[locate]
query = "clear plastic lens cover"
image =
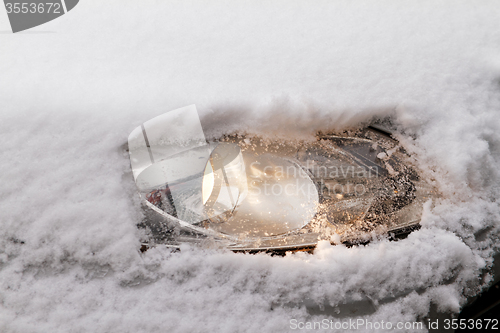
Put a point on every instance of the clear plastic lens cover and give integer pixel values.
(252, 193)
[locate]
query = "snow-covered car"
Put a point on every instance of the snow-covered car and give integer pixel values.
(250, 193)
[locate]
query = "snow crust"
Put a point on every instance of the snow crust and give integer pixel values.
(72, 90)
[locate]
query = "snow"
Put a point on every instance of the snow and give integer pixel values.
(73, 89)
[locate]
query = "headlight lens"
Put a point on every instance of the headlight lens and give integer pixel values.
(249, 193)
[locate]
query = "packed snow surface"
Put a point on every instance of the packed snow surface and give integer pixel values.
(73, 89)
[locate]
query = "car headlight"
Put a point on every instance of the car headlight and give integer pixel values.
(254, 194)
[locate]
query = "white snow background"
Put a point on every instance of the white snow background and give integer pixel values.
(73, 89)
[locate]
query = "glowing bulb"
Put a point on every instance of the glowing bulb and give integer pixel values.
(208, 183)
